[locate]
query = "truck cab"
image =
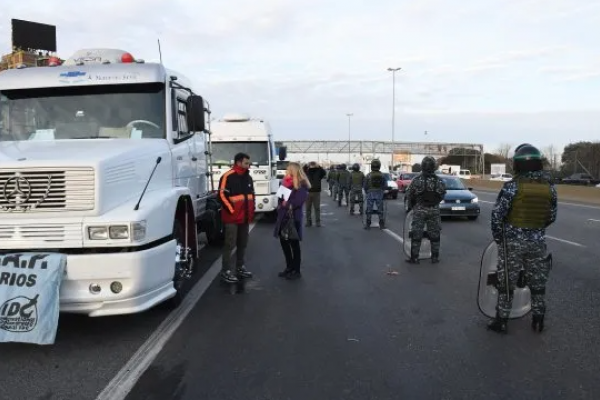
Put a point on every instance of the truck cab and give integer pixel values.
(105, 159)
(236, 133)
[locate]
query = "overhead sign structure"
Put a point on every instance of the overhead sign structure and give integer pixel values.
(28, 35)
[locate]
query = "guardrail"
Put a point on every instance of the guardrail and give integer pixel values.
(574, 193)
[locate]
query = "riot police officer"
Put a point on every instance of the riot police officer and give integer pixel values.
(357, 181)
(375, 184)
(343, 179)
(525, 207)
(424, 195)
(332, 180)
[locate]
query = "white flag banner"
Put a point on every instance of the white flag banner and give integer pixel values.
(29, 296)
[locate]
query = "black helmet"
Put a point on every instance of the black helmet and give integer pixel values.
(527, 158)
(521, 146)
(355, 167)
(428, 165)
(375, 165)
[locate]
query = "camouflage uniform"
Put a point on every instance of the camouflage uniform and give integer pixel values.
(424, 195)
(343, 184)
(525, 207)
(332, 180)
(357, 181)
(375, 184)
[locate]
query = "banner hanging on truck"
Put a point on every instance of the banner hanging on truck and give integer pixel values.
(29, 296)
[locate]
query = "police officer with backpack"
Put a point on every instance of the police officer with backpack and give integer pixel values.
(375, 184)
(357, 181)
(525, 207)
(424, 195)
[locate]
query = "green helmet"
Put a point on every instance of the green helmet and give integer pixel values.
(428, 165)
(375, 165)
(527, 158)
(355, 167)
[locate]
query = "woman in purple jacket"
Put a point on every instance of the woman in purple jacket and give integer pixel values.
(298, 183)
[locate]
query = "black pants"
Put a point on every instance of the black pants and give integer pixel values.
(291, 251)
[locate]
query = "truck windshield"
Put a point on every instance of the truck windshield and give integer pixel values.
(223, 152)
(133, 111)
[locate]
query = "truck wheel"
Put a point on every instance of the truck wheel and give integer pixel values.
(184, 266)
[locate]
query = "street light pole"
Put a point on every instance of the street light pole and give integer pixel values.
(393, 71)
(349, 115)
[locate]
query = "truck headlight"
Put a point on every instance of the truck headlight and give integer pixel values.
(118, 232)
(97, 232)
(122, 231)
(139, 230)
(475, 200)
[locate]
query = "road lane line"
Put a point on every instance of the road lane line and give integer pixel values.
(594, 220)
(120, 386)
(564, 241)
(488, 202)
(394, 235)
(564, 203)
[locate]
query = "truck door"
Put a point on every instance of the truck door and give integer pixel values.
(200, 160)
(184, 159)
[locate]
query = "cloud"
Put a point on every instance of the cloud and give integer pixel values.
(311, 62)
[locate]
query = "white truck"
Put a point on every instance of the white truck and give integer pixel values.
(497, 169)
(449, 169)
(105, 159)
(236, 133)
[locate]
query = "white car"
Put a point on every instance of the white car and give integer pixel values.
(501, 177)
(391, 190)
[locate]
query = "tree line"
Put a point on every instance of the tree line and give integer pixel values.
(578, 157)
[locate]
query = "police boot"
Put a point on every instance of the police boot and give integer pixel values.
(498, 324)
(382, 224)
(414, 252)
(435, 257)
(368, 224)
(537, 323)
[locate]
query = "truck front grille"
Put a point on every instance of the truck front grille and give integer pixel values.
(24, 236)
(46, 189)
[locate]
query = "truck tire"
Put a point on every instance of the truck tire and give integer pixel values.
(178, 279)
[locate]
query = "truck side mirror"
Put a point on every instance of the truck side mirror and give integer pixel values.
(196, 120)
(282, 153)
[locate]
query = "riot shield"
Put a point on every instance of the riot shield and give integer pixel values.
(487, 294)
(425, 251)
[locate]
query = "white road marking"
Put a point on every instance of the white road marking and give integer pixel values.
(488, 202)
(120, 386)
(564, 241)
(560, 202)
(394, 235)
(594, 220)
(579, 205)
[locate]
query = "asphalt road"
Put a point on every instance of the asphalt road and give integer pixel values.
(347, 330)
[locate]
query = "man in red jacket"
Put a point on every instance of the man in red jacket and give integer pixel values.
(236, 192)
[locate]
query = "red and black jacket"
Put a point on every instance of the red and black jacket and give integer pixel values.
(236, 192)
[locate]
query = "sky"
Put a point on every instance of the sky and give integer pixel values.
(492, 72)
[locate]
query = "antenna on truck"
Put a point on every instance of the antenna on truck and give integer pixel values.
(137, 206)
(159, 51)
